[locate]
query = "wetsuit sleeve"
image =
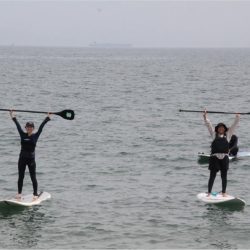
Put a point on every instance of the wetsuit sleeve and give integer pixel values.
(233, 127)
(20, 131)
(41, 127)
(209, 127)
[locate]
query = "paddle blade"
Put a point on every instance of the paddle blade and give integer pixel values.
(67, 114)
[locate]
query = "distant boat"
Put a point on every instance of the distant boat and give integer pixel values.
(110, 45)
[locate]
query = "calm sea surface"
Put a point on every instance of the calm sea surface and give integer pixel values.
(124, 172)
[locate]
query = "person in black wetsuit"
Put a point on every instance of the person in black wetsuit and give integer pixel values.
(233, 146)
(27, 154)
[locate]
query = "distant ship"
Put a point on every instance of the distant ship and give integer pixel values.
(110, 45)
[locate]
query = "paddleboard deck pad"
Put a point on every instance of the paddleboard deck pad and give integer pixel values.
(217, 198)
(27, 200)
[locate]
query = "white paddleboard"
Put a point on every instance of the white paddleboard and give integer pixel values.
(217, 198)
(242, 154)
(27, 200)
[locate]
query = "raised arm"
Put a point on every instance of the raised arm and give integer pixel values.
(232, 128)
(39, 131)
(13, 117)
(208, 124)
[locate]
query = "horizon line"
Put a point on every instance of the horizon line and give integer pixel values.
(125, 48)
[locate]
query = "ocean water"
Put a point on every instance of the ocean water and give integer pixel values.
(124, 172)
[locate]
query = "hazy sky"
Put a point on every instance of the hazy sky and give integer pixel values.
(141, 23)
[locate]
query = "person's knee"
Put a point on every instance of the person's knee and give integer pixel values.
(223, 175)
(21, 175)
(32, 168)
(33, 176)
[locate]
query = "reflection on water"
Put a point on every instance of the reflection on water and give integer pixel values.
(221, 214)
(220, 224)
(7, 211)
(24, 226)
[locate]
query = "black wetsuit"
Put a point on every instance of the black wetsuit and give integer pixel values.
(27, 155)
(233, 145)
(219, 145)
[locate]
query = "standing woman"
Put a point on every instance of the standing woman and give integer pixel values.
(219, 160)
(27, 154)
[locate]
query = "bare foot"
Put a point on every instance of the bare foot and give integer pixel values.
(224, 194)
(18, 197)
(208, 194)
(35, 197)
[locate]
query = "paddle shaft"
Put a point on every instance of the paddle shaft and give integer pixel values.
(27, 111)
(67, 114)
(212, 112)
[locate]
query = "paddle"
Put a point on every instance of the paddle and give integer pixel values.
(67, 114)
(214, 112)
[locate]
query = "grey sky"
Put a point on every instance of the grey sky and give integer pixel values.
(141, 23)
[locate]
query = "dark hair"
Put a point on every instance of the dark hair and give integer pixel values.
(220, 125)
(30, 124)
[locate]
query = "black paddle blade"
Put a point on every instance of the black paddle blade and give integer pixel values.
(67, 114)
